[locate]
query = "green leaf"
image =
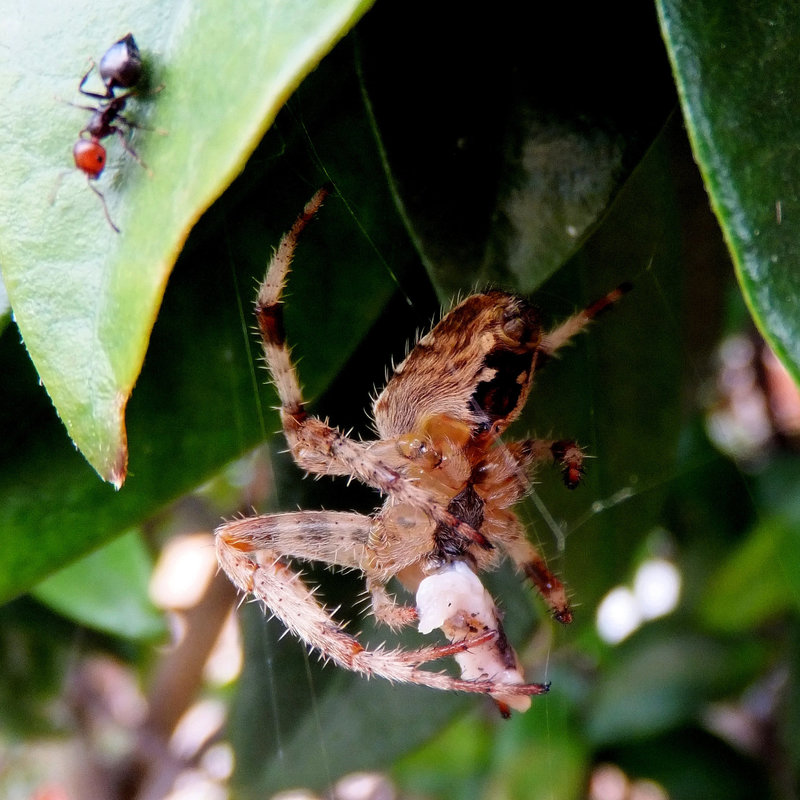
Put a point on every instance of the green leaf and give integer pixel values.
(483, 756)
(515, 161)
(107, 590)
(661, 677)
(201, 400)
(736, 69)
(518, 768)
(738, 597)
(84, 298)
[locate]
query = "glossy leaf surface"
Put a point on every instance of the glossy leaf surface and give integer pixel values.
(735, 65)
(84, 297)
(107, 590)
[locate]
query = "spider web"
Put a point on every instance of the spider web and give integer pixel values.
(624, 391)
(583, 532)
(654, 487)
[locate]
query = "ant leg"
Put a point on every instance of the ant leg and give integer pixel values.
(103, 201)
(123, 96)
(82, 108)
(126, 144)
(109, 94)
(131, 125)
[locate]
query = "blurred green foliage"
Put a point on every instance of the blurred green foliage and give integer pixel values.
(466, 149)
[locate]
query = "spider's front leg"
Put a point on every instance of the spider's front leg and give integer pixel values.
(251, 551)
(565, 453)
(315, 445)
(555, 339)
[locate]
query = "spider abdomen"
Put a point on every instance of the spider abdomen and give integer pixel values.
(475, 366)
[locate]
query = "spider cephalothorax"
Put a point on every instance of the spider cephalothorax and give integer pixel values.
(449, 485)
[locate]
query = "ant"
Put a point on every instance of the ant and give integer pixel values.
(120, 67)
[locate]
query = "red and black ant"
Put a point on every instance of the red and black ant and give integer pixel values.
(120, 67)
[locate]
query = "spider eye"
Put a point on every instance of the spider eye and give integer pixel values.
(514, 328)
(520, 325)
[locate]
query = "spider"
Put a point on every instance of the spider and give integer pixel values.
(448, 482)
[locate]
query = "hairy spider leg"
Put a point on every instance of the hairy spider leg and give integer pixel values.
(505, 528)
(317, 446)
(438, 467)
(577, 323)
(250, 551)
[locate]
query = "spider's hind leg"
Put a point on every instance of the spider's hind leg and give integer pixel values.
(247, 549)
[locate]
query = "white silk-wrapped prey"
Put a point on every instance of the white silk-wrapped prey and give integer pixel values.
(455, 600)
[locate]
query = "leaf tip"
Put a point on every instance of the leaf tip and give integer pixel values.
(118, 474)
(116, 468)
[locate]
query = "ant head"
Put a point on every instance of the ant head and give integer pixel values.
(90, 157)
(121, 64)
